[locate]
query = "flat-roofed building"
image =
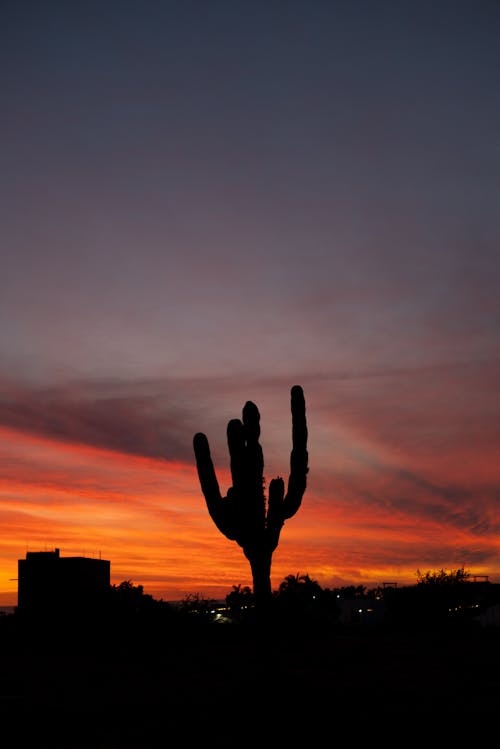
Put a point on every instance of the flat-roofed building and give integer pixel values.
(48, 582)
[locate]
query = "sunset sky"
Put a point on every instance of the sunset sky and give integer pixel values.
(208, 202)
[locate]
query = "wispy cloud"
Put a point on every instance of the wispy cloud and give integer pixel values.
(142, 418)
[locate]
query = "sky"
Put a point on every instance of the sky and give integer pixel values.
(207, 202)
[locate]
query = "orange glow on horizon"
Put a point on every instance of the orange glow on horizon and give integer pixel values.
(149, 518)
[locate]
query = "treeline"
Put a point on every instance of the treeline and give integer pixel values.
(438, 600)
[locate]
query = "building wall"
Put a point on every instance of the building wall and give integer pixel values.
(47, 581)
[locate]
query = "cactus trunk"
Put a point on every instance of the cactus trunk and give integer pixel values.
(260, 564)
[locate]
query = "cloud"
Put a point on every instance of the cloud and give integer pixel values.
(146, 417)
(142, 418)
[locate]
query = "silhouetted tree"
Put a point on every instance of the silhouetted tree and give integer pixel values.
(351, 591)
(128, 596)
(130, 608)
(240, 602)
(196, 611)
(244, 515)
(299, 586)
(440, 599)
(441, 577)
(297, 594)
(301, 601)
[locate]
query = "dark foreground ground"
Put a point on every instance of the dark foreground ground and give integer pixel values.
(230, 687)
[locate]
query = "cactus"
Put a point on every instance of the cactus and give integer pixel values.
(244, 515)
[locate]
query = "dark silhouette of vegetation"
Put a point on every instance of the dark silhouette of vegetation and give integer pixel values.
(443, 578)
(240, 602)
(301, 601)
(353, 591)
(245, 515)
(130, 598)
(128, 620)
(129, 602)
(197, 611)
(196, 603)
(440, 600)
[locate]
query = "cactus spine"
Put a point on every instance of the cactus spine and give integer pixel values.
(244, 515)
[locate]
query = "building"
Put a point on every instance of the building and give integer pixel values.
(48, 582)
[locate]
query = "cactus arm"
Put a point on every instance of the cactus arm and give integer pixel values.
(255, 460)
(275, 517)
(299, 457)
(206, 471)
(254, 496)
(236, 445)
(218, 508)
(247, 469)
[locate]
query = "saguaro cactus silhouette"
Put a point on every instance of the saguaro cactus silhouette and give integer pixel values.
(245, 515)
